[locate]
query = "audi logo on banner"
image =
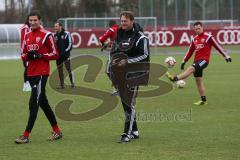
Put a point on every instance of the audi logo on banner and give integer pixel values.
(228, 36)
(160, 38)
(32, 47)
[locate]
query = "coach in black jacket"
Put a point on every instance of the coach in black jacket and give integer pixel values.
(131, 47)
(64, 43)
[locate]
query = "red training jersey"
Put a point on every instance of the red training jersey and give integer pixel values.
(110, 33)
(42, 42)
(24, 30)
(202, 45)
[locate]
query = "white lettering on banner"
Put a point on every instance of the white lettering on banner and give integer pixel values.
(78, 39)
(228, 36)
(192, 37)
(185, 38)
(93, 40)
(160, 38)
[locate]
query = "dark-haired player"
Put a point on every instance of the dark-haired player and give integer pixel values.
(38, 49)
(201, 45)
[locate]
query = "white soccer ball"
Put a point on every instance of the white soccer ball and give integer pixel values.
(181, 84)
(170, 61)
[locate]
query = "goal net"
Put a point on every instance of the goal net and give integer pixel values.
(148, 23)
(100, 24)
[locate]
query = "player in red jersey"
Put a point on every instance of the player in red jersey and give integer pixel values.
(110, 33)
(38, 49)
(106, 41)
(201, 44)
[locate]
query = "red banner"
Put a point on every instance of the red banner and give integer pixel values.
(89, 38)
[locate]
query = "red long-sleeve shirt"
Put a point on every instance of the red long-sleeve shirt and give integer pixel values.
(42, 42)
(110, 33)
(202, 45)
(24, 30)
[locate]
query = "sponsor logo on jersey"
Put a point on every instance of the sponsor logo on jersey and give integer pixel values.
(32, 47)
(199, 46)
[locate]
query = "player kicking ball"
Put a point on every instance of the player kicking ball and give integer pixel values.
(201, 44)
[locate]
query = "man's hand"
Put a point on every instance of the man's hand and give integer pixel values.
(122, 63)
(182, 65)
(228, 59)
(33, 55)
(104, 47)
(120, 59)
(118, 67)
(115, 61)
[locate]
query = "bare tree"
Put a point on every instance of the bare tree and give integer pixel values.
(96, 8)
(22, 7)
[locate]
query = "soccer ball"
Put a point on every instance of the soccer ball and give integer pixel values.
(181, 84)
(170, 61)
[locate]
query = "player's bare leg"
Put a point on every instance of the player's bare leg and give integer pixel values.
(200, 85)
(201, 90)
(189, 71)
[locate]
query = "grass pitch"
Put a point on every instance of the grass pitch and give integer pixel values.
(171, 127)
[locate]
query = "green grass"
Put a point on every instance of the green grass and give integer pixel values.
(205, 133)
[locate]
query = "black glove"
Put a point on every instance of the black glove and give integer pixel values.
(228, 59)
(32, 55)
(104, 46)
(182, 65)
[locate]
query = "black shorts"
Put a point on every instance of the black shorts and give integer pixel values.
(199, 66)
